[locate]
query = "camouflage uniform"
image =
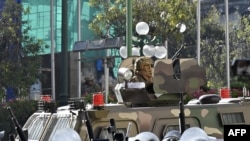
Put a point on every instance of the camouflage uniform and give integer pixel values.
(93, 88)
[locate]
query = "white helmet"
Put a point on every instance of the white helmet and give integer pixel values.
(194, 134)
(145, 136)
(2, 134)
(66, 134)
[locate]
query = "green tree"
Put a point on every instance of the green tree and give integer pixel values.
(213, 45)
(161, 15)
(213, 51)
(240, 43)
(240, 35)
(19, 60)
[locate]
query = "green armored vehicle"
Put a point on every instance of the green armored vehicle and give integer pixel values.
(150, 104)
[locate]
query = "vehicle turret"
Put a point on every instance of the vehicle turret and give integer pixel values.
(168, 78)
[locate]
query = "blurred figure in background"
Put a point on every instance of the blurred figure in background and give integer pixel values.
(90, 87)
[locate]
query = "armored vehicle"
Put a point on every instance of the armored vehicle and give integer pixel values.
(146, 105)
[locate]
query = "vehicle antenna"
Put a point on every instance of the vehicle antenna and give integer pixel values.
(181, 114)
(177, 53)
(87, 121)
(128, 131)
(18, 128)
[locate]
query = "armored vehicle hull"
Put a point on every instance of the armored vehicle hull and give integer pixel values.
(211, 118)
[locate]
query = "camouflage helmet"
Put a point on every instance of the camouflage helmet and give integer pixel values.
(141, 62)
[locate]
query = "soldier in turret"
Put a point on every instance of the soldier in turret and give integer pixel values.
(143, 73)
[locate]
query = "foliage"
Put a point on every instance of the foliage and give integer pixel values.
(202, 91)
(239, 49)
(213, 48)
(241, 38)
(21, 109)
(239, 84)
(237, 87)
(236, 90)
(162, 17)
(213, 45)
(19, 60)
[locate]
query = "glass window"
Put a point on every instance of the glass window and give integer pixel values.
(232, 118)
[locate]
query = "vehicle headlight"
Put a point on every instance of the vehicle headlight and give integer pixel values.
(125, 73)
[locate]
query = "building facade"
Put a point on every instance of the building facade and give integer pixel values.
(45, 17)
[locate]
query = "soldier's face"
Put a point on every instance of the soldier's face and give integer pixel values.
(147, 69)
